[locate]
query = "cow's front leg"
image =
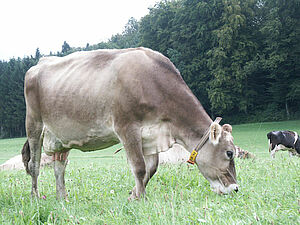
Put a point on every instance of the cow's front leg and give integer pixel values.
(273, 153)
(60, 163)
(138, 167)
(131, 138)
(151, 167)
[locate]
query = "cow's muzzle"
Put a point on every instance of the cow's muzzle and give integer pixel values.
(219, 188)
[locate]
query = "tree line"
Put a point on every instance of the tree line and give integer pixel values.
(240, 58)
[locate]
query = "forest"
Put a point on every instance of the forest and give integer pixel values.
(240, 58)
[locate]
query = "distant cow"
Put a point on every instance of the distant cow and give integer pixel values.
(243, 154)
(93, 100)
(284, 140)
(15, 163)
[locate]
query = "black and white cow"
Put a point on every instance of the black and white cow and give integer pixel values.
(284, 140)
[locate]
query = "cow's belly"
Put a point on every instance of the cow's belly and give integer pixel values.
(82, 139)
(92, 143)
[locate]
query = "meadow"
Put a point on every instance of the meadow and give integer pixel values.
(98, 184)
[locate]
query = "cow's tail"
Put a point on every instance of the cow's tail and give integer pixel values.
(26, 155)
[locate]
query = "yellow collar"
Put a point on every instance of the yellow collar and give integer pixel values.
(194, 153)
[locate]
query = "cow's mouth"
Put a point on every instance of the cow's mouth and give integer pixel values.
(219, 188)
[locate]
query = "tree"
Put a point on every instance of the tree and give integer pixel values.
(156, 28)
(37, 54)
(281, 31)
(233, 48)
(129, 37)
(65, 49)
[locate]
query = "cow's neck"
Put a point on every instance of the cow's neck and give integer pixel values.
(191, 127)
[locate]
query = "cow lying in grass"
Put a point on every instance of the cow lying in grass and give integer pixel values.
(15, 163)
(243, 154)
(285, 141)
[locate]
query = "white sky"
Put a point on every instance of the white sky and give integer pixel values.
(29, 24)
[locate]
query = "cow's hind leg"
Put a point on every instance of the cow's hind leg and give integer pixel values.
(34, 131)
(34, 164)
(60, 163)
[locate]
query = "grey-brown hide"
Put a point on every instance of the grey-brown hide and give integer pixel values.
(93, 100)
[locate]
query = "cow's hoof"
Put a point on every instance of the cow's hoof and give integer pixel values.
(62, 196)
(35, 194)
(132, 197)
(133, 191)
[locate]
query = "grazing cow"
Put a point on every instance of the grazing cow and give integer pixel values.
(284, 140)
(93, 100)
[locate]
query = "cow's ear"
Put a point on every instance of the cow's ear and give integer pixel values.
(215, 133)
(227, 127)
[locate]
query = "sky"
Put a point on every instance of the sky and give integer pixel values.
(45, 24)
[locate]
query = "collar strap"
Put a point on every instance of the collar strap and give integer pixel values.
(194, 153)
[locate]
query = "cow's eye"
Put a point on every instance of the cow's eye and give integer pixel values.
(229, 154)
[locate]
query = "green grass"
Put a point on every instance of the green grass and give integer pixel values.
(98, 184)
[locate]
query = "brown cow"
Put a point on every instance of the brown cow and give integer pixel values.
(93, 100)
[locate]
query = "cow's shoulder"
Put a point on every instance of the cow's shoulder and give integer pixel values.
(160, 59)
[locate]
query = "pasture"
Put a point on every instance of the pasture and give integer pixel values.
(98, 184)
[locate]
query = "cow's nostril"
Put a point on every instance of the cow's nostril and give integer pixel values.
(236, 189)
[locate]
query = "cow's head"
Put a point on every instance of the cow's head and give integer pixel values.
(215, 160)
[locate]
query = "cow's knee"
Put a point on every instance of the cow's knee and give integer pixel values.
(139, 170)
(140, 173)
